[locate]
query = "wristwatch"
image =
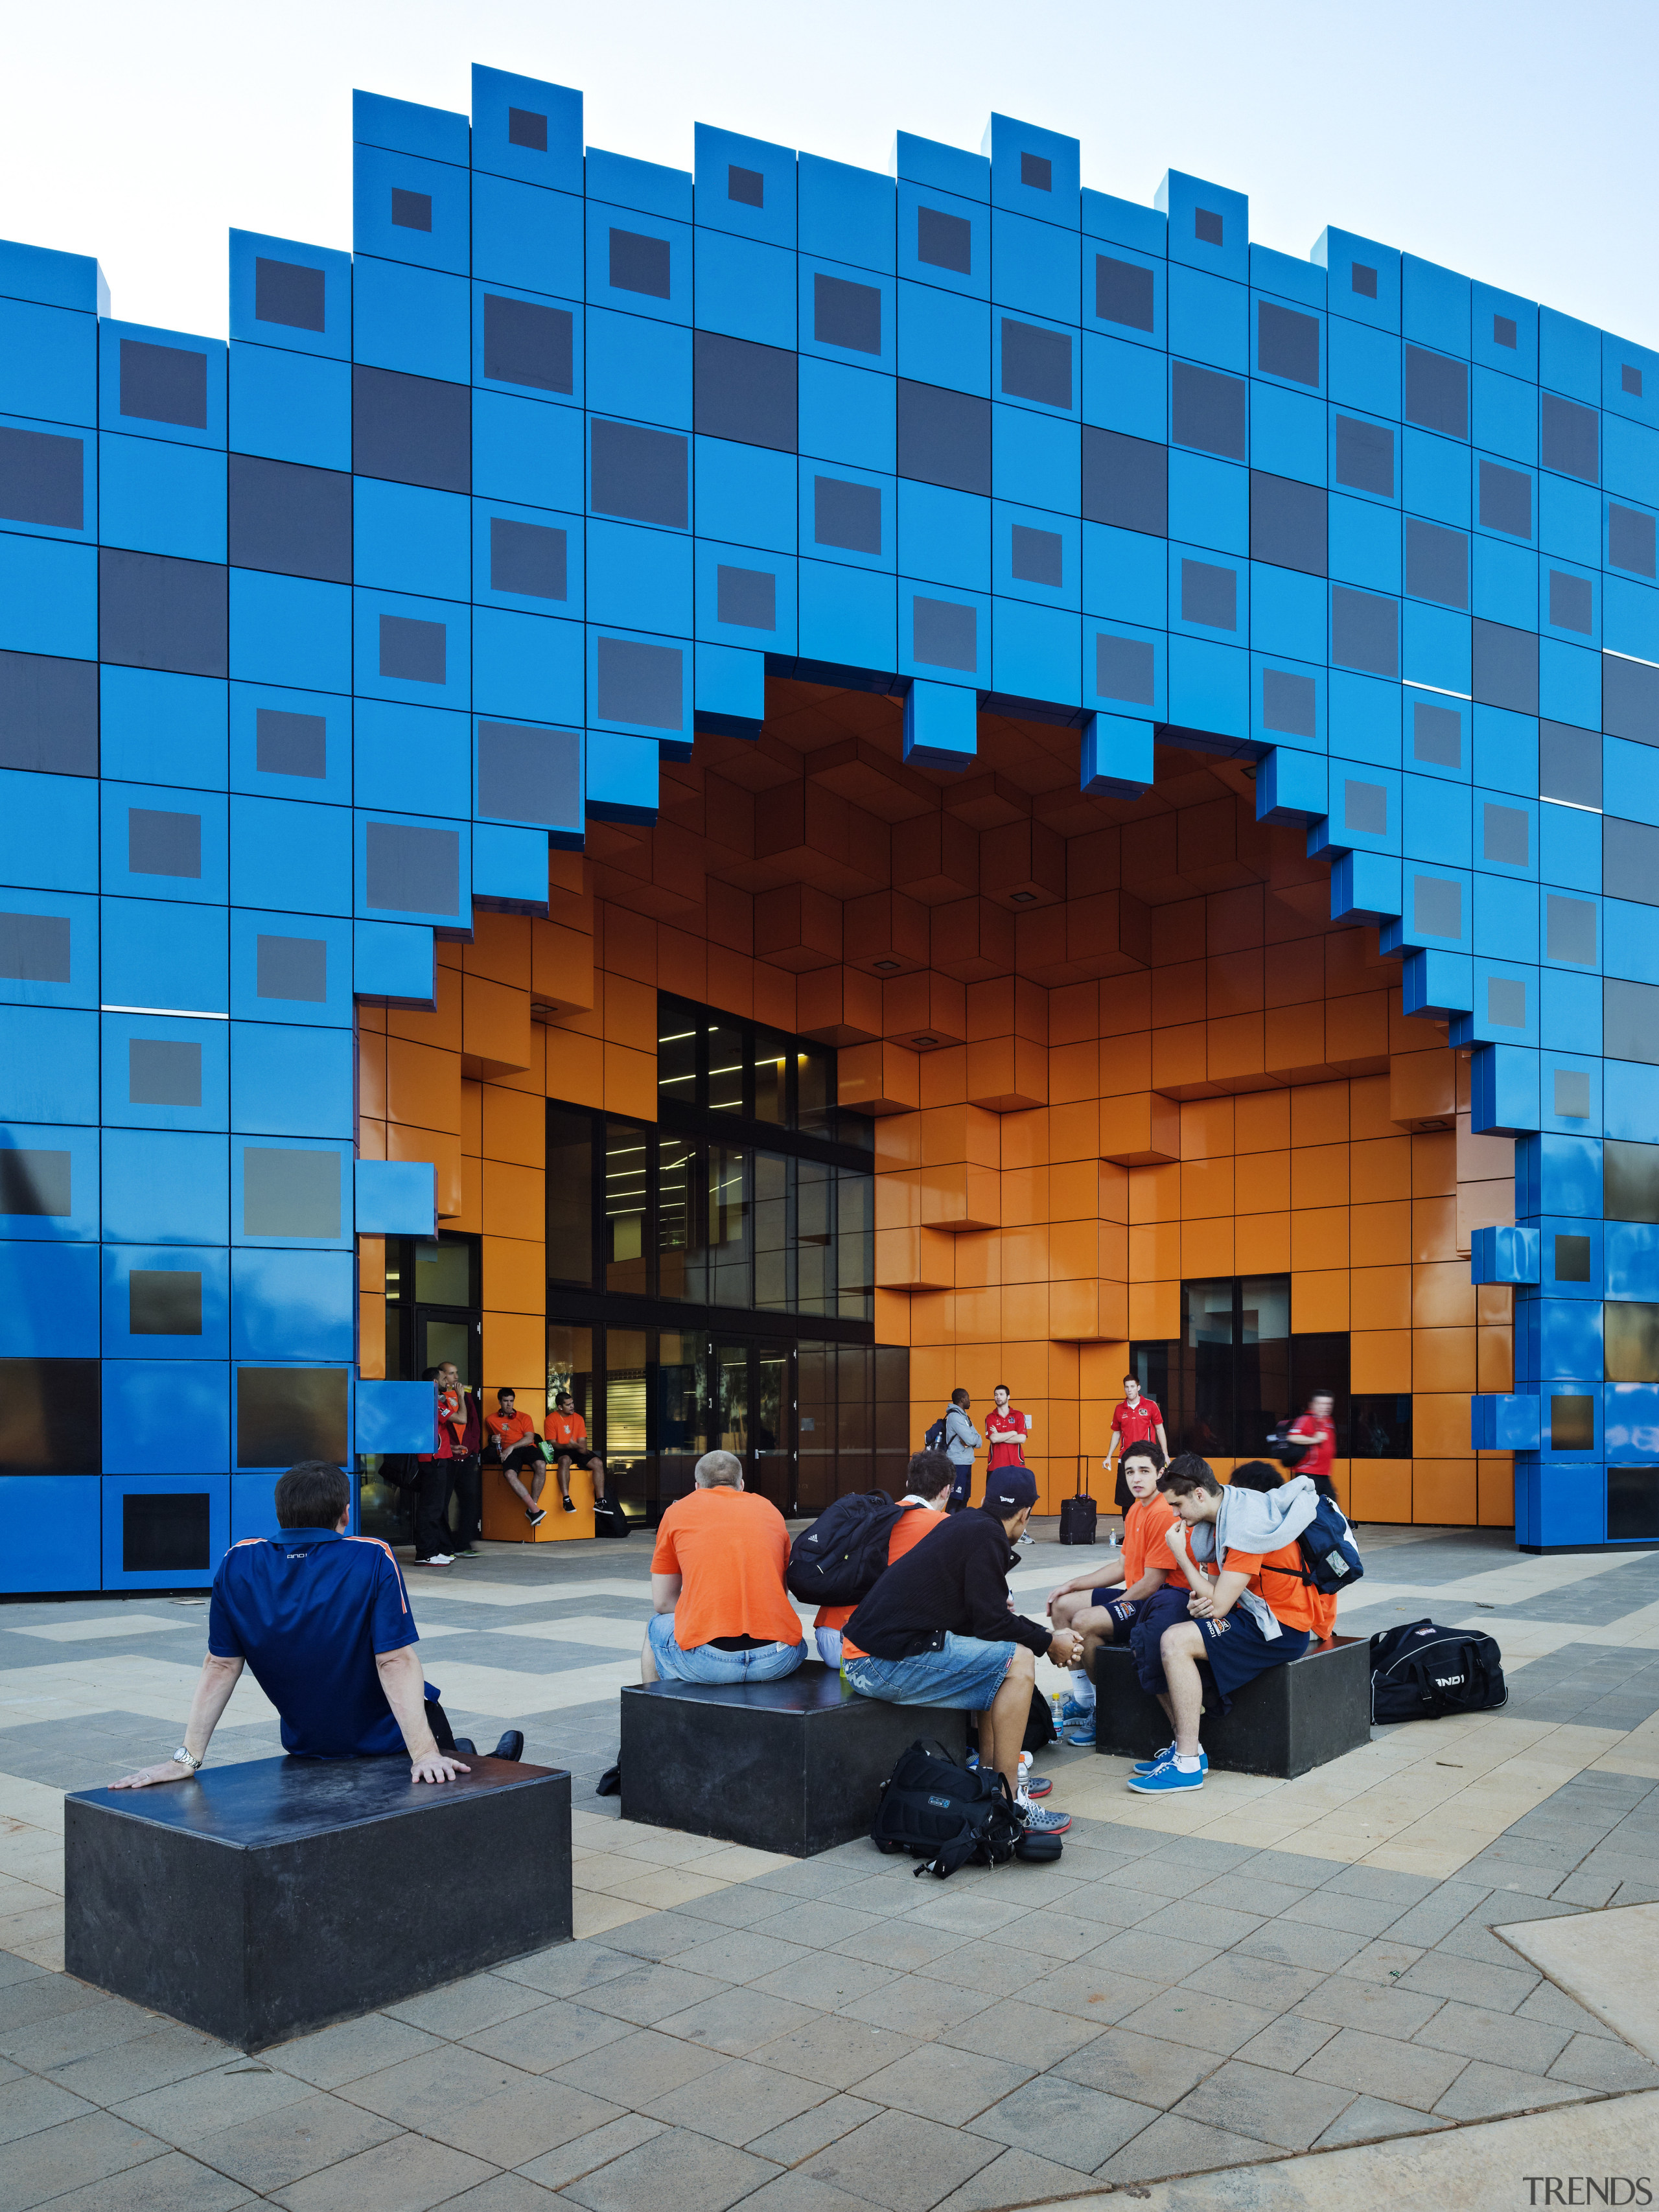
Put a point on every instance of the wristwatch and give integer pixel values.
(185, 1758)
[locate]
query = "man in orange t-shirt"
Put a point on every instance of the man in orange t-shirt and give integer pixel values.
(567, 1439)
(516, 1445)
(926, 1495)
(722, 1613)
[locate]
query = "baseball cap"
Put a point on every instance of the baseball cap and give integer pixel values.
(1010, 1488)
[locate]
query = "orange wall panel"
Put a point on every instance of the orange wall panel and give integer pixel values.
(514, 1126)
(513, 1204)
(1443, 1490)
(1261, 1244)
(1381, 1489)
(514, 1351)
(515, 1275)
(1440, 1425)
(1380, 1360)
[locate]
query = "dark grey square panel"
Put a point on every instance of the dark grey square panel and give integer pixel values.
(845, 314)
(289, 521)
(286, 744)
(1503, 331)
(411, 869)
(291, 967)
(1207, 225)
(1572, 603)
(1632, 1492)
(1036, 364)
(41, 476)
(289, 294)
(50, 1420)
(1286, 343)
(32, 1181)
(1572, 1094)
(1290, 703)
(410, 211)
(945, 634)
(34, 948)
(640, 263)
(413, 652)
(640, 474)
(1568, 929)
(164, 1302)
(289, 1413)
(1437, 391)
(412, 429)
(525, 343)
(1037, 556)
(1125, 293)
(164, 384)
(1126, 482)
(1125, 668)
(162, 843)
(746, 187)
(1569, 764)
(1505, 662)
(165, 1532)
(160, 1072)
(743, 391)
(1630, 381)
(1630, 860)
(48, 714)
(1209, 594)
(1288, 522)
(846, 514)
(1630, 1021)
(1037, 171)
(1506, 1002)
(1506, 499)
(287, 1193)
(641, 683)
(1572, 1422)
(945, 241)
(1362, 280)
(156, 612)
(1437, 906)
(1365, 807)
(1365, 630)
(527, 557)
(1631, 540)
(1629, 699)
(1630, 1181)
(944, 437)
(1437, 734)
(1506, 835)
(1207, 411)
(525, 127)
(1436, 562)
(1569, 437)
(747, 597)
(530, 774)
(1364, 455)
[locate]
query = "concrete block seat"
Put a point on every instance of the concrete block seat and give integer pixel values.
(259, 1901)
(1287, 1721)
(795, 1766)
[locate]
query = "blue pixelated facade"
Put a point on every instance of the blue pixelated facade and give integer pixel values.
(309, 643)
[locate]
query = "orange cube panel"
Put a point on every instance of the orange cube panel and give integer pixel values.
(1007, 1074)
(1444, 1493)
(1262, 1243)
(839, 1007)
(504, 1520)
(496, 1026)
(915, 1259)
(1207, 1248)
(1443, 1296)
(514, 1126)
(1319, 1298)
(1380, 1360)
(1495, 1490)
(630, 1082)
(1440, 1425)
(513, 1202)
(515, 1276)
(423, 1085)
(514, 1344)
(878, 1079)
(797, 926)
(885, 932)
(1423, 1087)
(1444, 1359)
(1381, 1489)
(1140, 1129)
(971, 939)
(959, 1196)
(1382, 1297)
(949, 1134)
(924, 1010)
(1155, 1309)
(561, 965)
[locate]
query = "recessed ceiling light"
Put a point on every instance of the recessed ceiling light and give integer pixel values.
(885, 967)
(921, 1043)
(1021, 898)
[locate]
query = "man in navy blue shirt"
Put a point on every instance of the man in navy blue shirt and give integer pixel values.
(322, 1620)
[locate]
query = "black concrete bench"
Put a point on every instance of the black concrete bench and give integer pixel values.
(257, 1902)
(1293, 1718)
(795, 1766)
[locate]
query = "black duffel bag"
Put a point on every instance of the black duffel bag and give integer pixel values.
(1421, 1670)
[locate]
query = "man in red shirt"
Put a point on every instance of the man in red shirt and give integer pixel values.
(1315, 1428)
(451, 1466)
(1135, 1420)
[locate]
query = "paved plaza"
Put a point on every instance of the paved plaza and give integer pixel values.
(1232, 1980)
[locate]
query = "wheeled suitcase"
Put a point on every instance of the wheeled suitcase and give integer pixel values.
(1077, 1515)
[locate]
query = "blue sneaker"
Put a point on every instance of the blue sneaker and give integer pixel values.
(1145, 1766)
(1081, 1730)
(1166, 1779)
(1036, 1785)
(1072, 1709)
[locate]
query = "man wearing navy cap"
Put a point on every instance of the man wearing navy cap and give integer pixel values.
(322, 1620)
(938, 1628)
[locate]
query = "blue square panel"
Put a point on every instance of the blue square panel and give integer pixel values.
(165, 1072)
(163, 1532)
(165, 1302)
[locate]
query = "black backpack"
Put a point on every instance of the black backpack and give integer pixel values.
(836, 1560)
(1420, 1670)
(944, 1814)
(933, 1440)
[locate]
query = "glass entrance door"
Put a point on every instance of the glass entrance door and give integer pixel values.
(772, 1430)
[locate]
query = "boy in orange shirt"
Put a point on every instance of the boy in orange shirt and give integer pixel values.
(927, 1494)
(517, 1445)
(567, 1438)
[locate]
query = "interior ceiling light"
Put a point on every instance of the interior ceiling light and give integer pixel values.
(885, 967)
(1022, 898)
(921, 1043)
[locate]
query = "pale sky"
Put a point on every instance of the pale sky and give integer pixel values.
(1509, 139)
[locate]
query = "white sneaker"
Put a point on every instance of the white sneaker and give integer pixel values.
(438, 1559)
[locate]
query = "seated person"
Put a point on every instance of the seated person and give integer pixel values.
(926, 1498)
(566, 1437)
(1104, 1604)
(1262, 1474)
(1257, 1615)
(938, 1629)
(322, 1620)
(516, 1445)
(722, 1612)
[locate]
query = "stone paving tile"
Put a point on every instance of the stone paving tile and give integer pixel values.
(536, 2042)
(1196, 1922)
(896, 2160)
(826, 1978)
(585, 2154)
(1384, 1883)
(1261, 1983)
(838, 2051)
(183, 2111)
(736, 2102)
(1379, 2066)
(1060, 2119)
(23, 2003)
(1382, 1960)
(1599, 2062)
(741, 1906)
(648, 1994)
(172, 2183)
(280, 2147)
(740, 1954)
(1268, 1899)
(1286, 2043)
(1150, 1958)
(1377, 2007)
(799, 2192)
(1296, 1943)
(644, 2066)
(504, 2192)
(66, 2037)
(1024, 2033)
(1055, 1935)
(344, 2053)
(1482, 2091)
(464, 2006)
(568, 1968)
(917, 2006)
(1500, 1989)
(821, 1926)
(739, 2020)
(660, 1937)
(408, 2174)
(1018, 2177)
(1334, 1908)
(949, 2085)
(1260, 2102)
(1187, 2016)
(1176, 2145)
(809, 2133)
(902, 1944)
(1127, 2063)
(1373, 2119)
(54, 2161)
(1296, 1869)
(27, 2103)
(1531, 2045)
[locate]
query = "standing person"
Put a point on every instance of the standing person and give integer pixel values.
(1135, 1420)
(567, 1435)
(449, 1469)
(961, 1440)
(1315, 1428)
(517, 1446)
(723, 1613)
(1006, 1431)
(922, 1509)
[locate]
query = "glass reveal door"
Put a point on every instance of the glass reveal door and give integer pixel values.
(772, 1430)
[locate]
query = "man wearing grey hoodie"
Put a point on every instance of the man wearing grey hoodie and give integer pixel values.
(1259, 1613)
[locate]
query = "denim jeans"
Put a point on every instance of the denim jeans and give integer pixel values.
(706, 1663)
